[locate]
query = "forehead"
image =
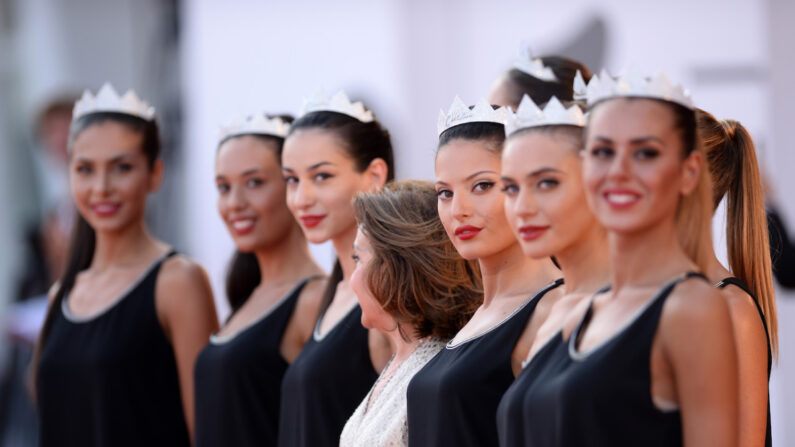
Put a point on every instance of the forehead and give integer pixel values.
(624, 119)
(308, 147)
(106, 140)
(460, 158)
(526, 152)
(243, 153)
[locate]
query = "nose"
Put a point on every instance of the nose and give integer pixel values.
(302, 195)
(102, 183)
(236, 200)
(461, 206)
(620, 166)
(525, 204)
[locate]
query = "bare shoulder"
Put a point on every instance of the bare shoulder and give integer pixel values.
(179, 270)
(695, 312)
(181, 283)
(312, 295)
(694, 299)
(742, 308)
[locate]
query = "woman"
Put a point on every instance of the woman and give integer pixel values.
(129, 316)
(453, 399)
(652, 360)
(334, 151)
(540, 78)
(749, 284)
(546, 207)
(413, 286)
(271, 285)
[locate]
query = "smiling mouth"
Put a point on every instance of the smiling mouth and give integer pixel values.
(243, 226)
(621, 199)
(105, 209)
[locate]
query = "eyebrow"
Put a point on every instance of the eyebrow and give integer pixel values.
(639, 140)
(485, 171)
(251, 171)
(543, 170)
(317, 165)
(115, 159)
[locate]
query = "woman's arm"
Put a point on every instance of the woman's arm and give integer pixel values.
(186, 310)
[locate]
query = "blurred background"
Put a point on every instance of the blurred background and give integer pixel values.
(201, 62)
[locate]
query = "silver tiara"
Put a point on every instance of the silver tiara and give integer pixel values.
(528, 115)
(107, 100)
(339, 102)
(460, 113)
(258, 124)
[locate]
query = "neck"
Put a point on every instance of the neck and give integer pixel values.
(403, 346)
(715, 270)
(585, 263)
(286, 260)
(510, 272)
(647, 257)
(121, 247)
(343, 244)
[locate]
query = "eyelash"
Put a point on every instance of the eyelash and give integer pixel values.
(355, 258)
(547, 183)
(484, 186)
(510, 189)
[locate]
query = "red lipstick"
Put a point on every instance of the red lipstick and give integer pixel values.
(311, 220)
(467, 232)
(532, 232)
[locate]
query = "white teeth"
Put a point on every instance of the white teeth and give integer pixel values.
(243, 224)
(104, 208)
(621, 198)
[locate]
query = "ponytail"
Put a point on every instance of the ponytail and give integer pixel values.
(746, 225)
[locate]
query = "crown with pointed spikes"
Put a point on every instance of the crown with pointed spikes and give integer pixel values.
(107, 100)
(533, 66)
(460, 113)
(630, 84)
(339, 102)
(528, 115)
(257, 124)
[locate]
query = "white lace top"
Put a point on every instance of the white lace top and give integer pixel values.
(383, 423)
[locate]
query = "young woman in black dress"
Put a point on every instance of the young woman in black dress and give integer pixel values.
(546, 207)
(271, 287)
(453, 399)
(334, 151)
(652, 360)
(748, 284)
(129, 316)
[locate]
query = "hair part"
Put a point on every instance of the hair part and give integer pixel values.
(415, 273)
(734, 172)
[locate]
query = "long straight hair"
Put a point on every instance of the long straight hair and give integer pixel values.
(735, 175)
(83, 243)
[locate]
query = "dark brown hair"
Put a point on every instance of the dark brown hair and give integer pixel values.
(542, 91)
(415, 273)
(735, 174)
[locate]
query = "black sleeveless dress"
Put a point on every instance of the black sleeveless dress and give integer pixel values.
(739, 283)
(111, 379)
(598, 398)
(452, 400)
(238, 381)
(325, 384)
(510, 417)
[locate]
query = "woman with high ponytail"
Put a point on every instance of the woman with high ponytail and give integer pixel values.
(735, 175)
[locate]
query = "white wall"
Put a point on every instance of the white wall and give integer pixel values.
(408, 59)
